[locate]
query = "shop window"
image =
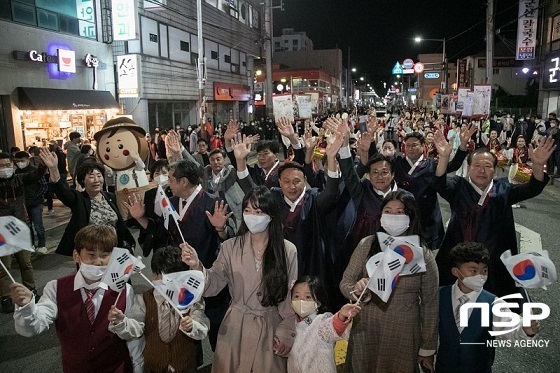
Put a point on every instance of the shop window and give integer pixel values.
(47, 19)
(23, 13)
(185, 47)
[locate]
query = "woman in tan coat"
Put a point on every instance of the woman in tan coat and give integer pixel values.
(399, 335)
(259, 267)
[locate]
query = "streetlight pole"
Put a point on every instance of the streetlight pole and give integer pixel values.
(443, 61)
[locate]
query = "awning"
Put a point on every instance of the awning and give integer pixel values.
(64, 99)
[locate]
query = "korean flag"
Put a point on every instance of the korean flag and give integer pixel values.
(15, 236)
(408, 247)
(386, 267)
(530, 270)
(182, 289)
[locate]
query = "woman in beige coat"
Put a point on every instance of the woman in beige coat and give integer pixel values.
(401, 334)
(259, 267)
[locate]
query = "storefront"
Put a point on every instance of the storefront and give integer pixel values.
(51, 114)
(230, 101)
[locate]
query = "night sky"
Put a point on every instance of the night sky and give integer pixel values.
(381, 32)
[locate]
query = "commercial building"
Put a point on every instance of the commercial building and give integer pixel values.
(291, 41)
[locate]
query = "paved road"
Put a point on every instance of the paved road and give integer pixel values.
(42, 353)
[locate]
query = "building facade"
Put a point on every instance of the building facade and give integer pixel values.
(291, 41)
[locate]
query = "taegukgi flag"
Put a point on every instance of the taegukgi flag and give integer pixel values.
(530, 270)
(407, 246)
(15, 236)
(122, 265)
(164, 207)
(386, 267)
(182, 289)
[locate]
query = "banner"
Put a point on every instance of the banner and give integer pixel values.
(481, 100)
(304, 106)
(283, 107)
(527, 30)
(530, 270)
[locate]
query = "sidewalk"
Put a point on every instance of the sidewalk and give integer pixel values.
(55, 224)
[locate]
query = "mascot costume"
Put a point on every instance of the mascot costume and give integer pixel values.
(121, 147)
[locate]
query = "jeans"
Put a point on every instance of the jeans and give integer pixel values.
(36, 220)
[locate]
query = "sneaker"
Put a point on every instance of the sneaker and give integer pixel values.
(7, 305)
(41, 250)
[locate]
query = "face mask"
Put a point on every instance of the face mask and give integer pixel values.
(92, 272)
(475, 283)
(6, 172)
(395, 224)
(304, 308)
(256, 223)
(161, 179)
(22, 165)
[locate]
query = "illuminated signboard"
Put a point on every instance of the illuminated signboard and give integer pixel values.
(85, 12)
(128, 75)
(125, 18)
(551, 71)
(527, 29)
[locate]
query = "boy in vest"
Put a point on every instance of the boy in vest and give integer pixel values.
(457, 353)
(79, 306)
(170, 339)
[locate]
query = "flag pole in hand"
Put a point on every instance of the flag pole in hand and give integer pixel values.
(8, 272)
(163, 295)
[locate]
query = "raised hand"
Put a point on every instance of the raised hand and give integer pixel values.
(241, 146)
(334, 143)
(20, 294)
(364, 142)
(443, 147)
(136, 206)
(285, 128)
(173, 142)
(540, 155)
(232, 129)
(372, 124)
(309, 140)
(49, 159)
(220, 216)
(186, 323)
(465, 135)
(189, 256)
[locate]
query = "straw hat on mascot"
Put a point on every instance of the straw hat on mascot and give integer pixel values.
(121, 146)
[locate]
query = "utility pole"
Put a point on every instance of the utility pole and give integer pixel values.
(200, 67)
(489, 42)
(444, 80)
(268, 54)
(348, 85)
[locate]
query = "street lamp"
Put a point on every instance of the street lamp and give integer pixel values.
(418, 39)
(353, 69)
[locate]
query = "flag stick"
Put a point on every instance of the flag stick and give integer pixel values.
(8, 272)
(118, 296)
(179, 228)
(163, 295)
(361, 295)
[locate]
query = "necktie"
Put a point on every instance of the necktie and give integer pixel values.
(168, 323)
(90, 307)
(462, 301)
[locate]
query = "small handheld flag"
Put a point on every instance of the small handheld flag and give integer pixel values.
(163, 205)
(530, 270)
(121, 266)
(407, 246)
(384, 277)
(15, 236)
(181, 289)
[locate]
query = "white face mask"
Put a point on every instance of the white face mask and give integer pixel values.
(22, 165)
(161, 179)
(256, 223)
(475, 283)
(304, 308)
(6, 172)
(91, 272)
(395, 224)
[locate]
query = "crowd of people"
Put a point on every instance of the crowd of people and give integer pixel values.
(285, 243)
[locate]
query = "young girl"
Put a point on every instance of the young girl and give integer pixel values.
(316, 332)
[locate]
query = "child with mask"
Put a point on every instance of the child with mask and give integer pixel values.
(78, 305)
(316, 330)
(397, 335)
(259, 267)
(464, 349)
